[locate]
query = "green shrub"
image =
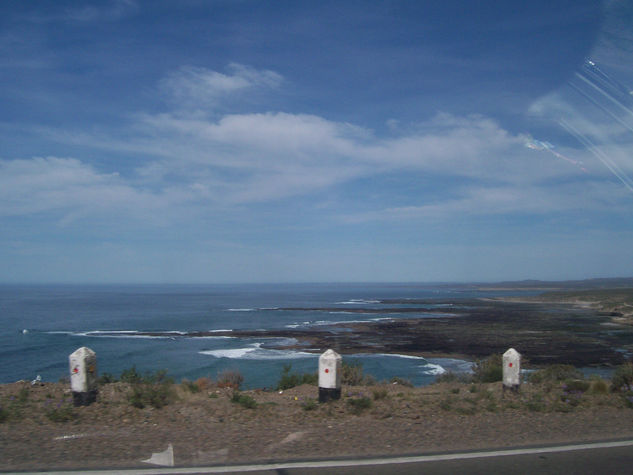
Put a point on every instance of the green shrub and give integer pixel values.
(309, 404)
(466, 410)
(489, 370)
(243, 400)
(352, 373)
(359, 405)
(23, 394)
(557, 372)
(622, 379)
(190, 386)
(379, 393)
(131, 376)
(536, 403)
(62, 413)
(154, 395)
(446, 404)
(152, 390)
(106, 378)
(4, 414)
(535, 406)
(599, 386)
(290, 380)
(577, 385)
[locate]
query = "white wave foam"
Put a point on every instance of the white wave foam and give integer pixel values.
(122, 334)
(396, 355)
(433, 369)
(357, 302)
(241, 309)
(235, 353)
(452, 364)
(338, 322)
(255, 352)
(214, 337)
(219, 331)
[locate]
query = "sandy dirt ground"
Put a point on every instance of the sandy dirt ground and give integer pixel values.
(41, 429)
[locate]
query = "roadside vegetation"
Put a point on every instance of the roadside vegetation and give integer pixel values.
(128, 397)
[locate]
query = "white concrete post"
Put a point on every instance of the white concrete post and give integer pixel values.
(83, 376)
(511, 369)
(330, 364)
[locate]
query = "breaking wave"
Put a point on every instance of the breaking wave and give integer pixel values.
(256, 352)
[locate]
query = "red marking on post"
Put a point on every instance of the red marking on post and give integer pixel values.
(510, 365)
(75, 369)
(327, 370)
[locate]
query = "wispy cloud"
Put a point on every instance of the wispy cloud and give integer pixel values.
(68, 188)
(113, 10)
(504, 200)
(192, 86)
(207, 162)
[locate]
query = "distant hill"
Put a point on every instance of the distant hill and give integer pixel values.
(587, 284)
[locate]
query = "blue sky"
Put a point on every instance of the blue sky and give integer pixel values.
(285, 141)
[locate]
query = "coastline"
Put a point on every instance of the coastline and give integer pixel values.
(544, 331)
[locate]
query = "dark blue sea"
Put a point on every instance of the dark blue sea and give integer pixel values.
(42, 324)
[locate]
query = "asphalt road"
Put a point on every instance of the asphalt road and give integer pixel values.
(595, 458)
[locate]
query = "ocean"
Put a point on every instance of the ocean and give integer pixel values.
(42, 324)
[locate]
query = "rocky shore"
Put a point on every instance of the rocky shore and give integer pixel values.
(545, 330)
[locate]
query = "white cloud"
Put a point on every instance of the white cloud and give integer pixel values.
(114, 10)
(205, 162)
(508, 200)
(192, 86)
(65, 186)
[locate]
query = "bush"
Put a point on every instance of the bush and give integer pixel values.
(599, 386)
(62, 413)
(557, 372)
(380, 393)
(190, 386)
(446, 404)
(489, 370)
(352, 375)
(359, 405)
(309, 404)
(203, 383)
(23, 394)
(131, 376)
(107, 378)
(243, 400)
(290, 380)
(577, 385)
(152, 390)
(154, 395)
(622, 379)
(230, 379)
(4, 414)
